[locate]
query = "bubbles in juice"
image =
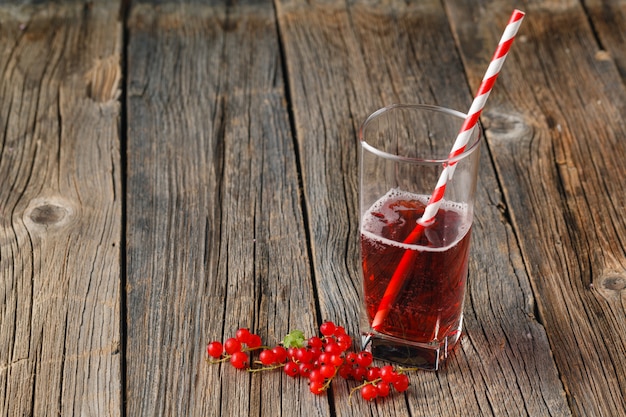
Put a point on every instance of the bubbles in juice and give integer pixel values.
(429, 306)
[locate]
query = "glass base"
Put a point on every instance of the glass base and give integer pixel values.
(429, 356)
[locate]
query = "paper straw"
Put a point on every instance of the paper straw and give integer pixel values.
(397, 279)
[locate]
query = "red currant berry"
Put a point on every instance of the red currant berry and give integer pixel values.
(388, 374)
(333, 348)
(327, 370)
(383, 389)
(243, 335)
(344, 341)
(254, 341)
(345, 371)
(304, 355)
(267, 357)
(291, 369)
(215, 349)
(401, 384)
(304, 369)
(232, 345)
(316, 376)
(315, 353)
(336, 360)
(343, 346)
(359, 373)
(369, 392)
(280, 354)
(323, 359)
(327, 328)
(315, 342)
(291, 353)
(351, 358)
(372, 373)
(317, 387)
(339, 330)
(239, 360)
(364, 359)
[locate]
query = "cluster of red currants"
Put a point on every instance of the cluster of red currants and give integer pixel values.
(319, 359)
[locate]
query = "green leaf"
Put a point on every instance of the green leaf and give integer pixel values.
(295, 338)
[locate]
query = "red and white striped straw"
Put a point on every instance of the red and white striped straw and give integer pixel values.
(397, 279)
(473, 114)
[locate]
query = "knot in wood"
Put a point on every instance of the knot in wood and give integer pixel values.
(506, 126)
(48, 214)
(614, 283)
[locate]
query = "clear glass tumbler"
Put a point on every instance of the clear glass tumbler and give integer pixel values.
(414, 279)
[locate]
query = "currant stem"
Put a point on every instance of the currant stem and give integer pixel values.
(221, 360)
(247, 349)
(372, 382)
(265, 368)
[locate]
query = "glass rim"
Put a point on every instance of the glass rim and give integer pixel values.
(470, 147)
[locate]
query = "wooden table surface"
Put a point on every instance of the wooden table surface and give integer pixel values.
(171, 171)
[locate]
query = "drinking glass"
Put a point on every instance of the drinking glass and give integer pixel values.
(414, 279)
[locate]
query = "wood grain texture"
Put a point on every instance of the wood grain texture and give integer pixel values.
(216, 236)
(60, 209)
(557, 141)
(233, 173)
(344, 62)
(608, 20)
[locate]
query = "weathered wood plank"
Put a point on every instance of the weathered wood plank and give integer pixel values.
(609, 23)
(344, 63)
(60, 209)
(215, 229)
(557, 141)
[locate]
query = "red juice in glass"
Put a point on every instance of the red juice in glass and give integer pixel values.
(429, 307)
(413, 314)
